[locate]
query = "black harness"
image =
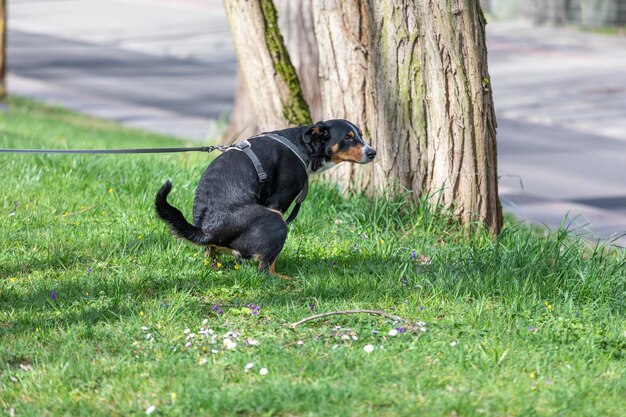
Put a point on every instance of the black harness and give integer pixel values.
(245, 147)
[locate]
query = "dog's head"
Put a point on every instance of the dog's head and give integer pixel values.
(336, 141)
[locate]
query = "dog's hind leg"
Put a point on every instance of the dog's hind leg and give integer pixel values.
(272, 271)
(264, 239)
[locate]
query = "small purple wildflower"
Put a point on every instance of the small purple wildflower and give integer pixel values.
(220, 311)
(311, 306)
(89, 269)
(413, 255)
(548, 382)
(364, 236)
(400, 329)
(421, 308)
(255, 308)
(404, 280)
(532, 329)
(54, 295)
(215, 307)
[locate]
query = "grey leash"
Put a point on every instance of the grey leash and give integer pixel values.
(118, 151)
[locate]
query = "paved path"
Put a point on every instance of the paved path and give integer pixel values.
(168, 66)
(164, 65)
(560, 98)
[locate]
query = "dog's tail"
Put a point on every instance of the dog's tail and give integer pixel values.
(175, 220)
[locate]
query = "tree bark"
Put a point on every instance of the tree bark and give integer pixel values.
(295, 20)
(265, 66)
(3, 48)
(243, 122)
(413, 75)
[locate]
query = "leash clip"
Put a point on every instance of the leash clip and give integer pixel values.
(244, 144)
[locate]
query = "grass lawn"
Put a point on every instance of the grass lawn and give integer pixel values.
(96, 297)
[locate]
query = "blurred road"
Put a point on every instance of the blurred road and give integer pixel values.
(163, 65)
(560, 98)
(169, 66)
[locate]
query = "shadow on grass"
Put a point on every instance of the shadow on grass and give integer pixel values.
(361, 279)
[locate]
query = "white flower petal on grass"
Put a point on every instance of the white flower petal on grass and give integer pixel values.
(423, 329)
(252, 342)
(150, 409)
(202, 361)
(345, 337)
(263, 371)
(215, 351)
(300, 343)
(368, 348)
(249, 366)
(149, 336)
(186, 331)
(191, 336)
(188, 344)
(355, 337)
(229, 344)
(144, 328)
(453, 343)
(205, 321)
(393, 332)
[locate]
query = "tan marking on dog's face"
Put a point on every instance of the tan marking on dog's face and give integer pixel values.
(353, 154)
(351, 134)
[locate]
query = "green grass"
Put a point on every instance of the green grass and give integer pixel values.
(538, 321)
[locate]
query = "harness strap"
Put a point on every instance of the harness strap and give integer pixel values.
(292, 147)
(305, 189)
(244, 146)
(299, 199)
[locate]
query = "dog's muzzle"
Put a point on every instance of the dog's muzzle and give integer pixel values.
(369, 154)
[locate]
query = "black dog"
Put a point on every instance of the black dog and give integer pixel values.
(240, 202)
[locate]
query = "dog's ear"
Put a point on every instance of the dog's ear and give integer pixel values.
(319, 131)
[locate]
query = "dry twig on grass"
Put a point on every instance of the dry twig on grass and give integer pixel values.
(381, 313)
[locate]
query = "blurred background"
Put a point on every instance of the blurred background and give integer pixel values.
(589, 14)
(558, 71)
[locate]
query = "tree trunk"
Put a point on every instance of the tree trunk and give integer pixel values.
(295, 20)
(243, 122)
(265, 66)
(3, 49)
(413, 75)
